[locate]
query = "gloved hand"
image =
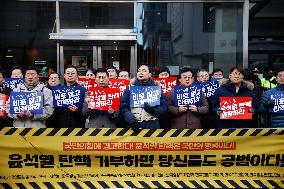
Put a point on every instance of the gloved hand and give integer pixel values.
(135, 126)
(219, 111)
(271, 102)
(251, 111)
(148, 108)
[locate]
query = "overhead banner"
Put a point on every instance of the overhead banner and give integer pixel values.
(122, 158)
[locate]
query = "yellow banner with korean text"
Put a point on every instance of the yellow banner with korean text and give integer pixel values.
(122, 158)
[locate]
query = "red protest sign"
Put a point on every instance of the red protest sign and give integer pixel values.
(235, 107)
(121, 84)
(3, 100)
(104, 98)
(86, 83)
(167, 84)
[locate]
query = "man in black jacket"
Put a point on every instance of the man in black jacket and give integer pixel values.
(71, 116)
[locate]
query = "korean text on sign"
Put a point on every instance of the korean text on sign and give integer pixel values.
(236, 107)
(13, 82)
(104, 98)
(187, 96)
(65, 96)
(208, 87)
(167, 84)
(278, 99)
(86, 83)
(142, 94)
(3, 100)
(121, 84)
(23, 101)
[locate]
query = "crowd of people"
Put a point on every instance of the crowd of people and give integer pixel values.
(166, 115)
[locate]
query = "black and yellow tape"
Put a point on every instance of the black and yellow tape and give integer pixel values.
(148, 184)
(143, 133)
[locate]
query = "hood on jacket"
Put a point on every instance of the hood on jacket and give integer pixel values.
(249, 85)
(134, 81)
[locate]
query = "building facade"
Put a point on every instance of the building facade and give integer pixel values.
(52, 34)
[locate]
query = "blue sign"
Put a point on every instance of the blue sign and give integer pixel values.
(23, 101)
(64, 96)
(13, 82)
(278, 98)
(208, 87)
(187, 96)
(141, 94)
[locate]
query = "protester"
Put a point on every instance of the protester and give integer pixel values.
(27, 118)
(164, 72)
(5, 121)
(164, 120)
(112, 72)
(256, 80)
(17, 72)
(256, 92)
(269, 81)
(217, 73)
(276, 120)
(202, 75)
(52, 121)
(186, 117)
(146, 117)
(234, 87)
(123, 74)
(100, 118)
(71, 116)
(91, 74)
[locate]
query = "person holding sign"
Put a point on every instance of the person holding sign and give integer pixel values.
(17, 72)
(27, 118)
(71, 116)
(112, 72)
(186, 116)
(145, 116)
(91, 73)
(123, 74)
(52, 121)
(100, 118)
(273, 101)
(234, 87)
(4, 93)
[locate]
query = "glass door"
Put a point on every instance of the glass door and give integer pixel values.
(79, 56)
(117, 56)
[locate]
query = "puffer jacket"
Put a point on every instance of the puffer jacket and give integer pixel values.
(38, 121)
(276, 120)
(139, 115)
(228, 89)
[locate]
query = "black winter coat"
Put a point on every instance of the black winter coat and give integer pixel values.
(228, 89)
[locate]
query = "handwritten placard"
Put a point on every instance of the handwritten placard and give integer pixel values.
(187, 96)
(121, 84)
(235, 107)
(167, 84)
(64, 96)
(23, 101)
(86, 83)
(141, 94)
(13, 82)
(278, 98)
(104, 98)
(3, 100)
